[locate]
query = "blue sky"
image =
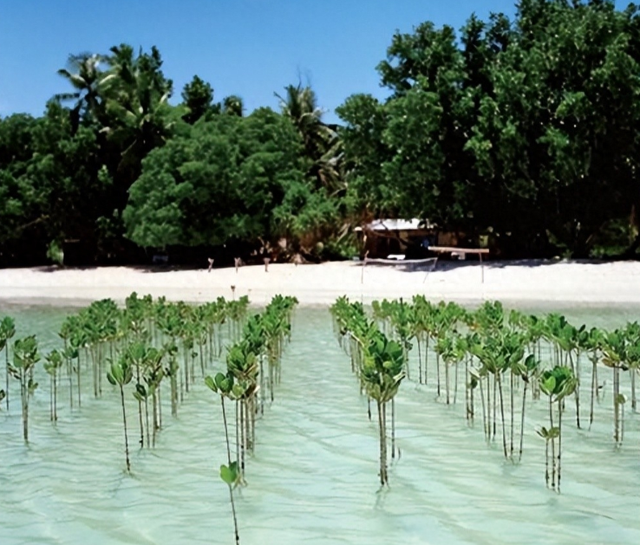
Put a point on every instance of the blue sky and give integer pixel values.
(251, 48)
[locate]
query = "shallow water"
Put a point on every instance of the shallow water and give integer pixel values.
(314, 476)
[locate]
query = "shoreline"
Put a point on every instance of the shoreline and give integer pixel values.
(598, 284)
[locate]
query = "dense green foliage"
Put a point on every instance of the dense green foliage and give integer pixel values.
(224, 179)
(527, 129)
(119, 169)
(523, 129)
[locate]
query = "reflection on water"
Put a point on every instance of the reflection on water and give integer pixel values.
(313, 479)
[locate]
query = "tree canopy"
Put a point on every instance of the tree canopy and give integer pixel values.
(525, 129)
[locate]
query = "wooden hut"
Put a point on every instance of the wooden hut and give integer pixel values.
(387, 238)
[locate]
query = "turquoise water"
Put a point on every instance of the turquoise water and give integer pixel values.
(314, 476)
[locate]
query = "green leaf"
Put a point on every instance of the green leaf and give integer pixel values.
(210, 383)
(548, 385)
(229, 474)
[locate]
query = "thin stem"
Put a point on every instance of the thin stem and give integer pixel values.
(553, 445)
(124, 421)
(524, 401)
(226, 430)
(235, 519)
(559, 445)
(393, 429)
(504, 431)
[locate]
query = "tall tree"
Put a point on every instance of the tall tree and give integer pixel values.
(84, 74)
(223, 182)
(322, 145)
(232, 105)
(197, 96)
(526, 128)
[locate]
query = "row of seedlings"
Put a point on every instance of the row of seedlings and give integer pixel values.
(506, 355)
(253, 367)
(378, 362)
(138, 345)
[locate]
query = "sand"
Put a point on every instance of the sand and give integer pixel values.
(525, 281)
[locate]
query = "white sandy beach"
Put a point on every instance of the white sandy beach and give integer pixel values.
(530, 281)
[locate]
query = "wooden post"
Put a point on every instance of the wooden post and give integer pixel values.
(364, 264)
(433, 268)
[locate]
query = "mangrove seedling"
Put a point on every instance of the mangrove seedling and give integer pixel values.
(52, 365)
(382, 373)
(7, 330)
(25, 357)
(223, 385)
(120, 374)
(556, 383)
(615, 356)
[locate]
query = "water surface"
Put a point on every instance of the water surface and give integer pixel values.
(314, 476)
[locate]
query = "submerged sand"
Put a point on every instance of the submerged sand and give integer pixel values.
(526, 281)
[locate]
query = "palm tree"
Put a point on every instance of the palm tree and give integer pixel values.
(85, 76)
(232, 105)
(137, 96)
(322, 145)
